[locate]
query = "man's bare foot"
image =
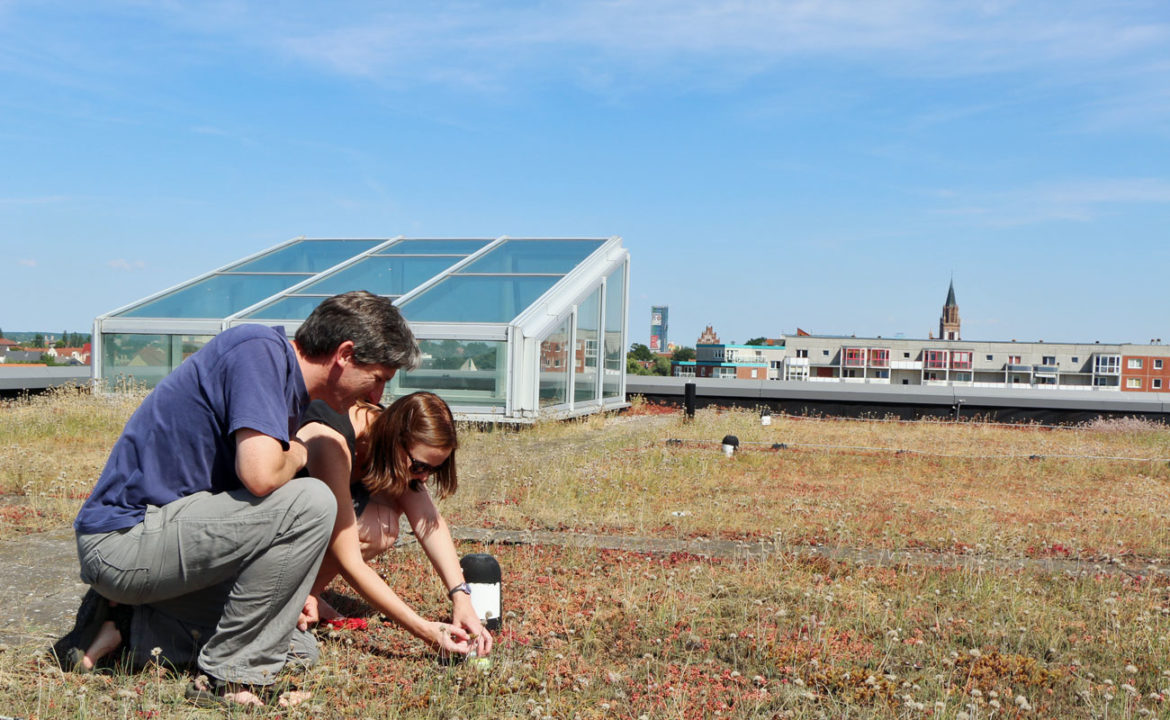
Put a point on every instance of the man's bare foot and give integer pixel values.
(206, 692)
(292, 698)
(242, 697)
(107, 640)
(289, 698)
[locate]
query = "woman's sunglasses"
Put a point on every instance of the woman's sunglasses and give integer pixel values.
(418, 466)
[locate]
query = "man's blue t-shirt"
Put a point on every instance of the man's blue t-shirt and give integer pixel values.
(180, 440)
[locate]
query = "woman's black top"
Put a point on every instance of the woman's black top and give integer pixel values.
(320, 412)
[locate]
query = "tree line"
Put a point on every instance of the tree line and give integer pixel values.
(642, 361)
(66, 339)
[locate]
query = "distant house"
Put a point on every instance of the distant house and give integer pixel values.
(149, 356)
(71, 355)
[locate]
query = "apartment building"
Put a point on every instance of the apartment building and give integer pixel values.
(946, 360)
(1145, 373)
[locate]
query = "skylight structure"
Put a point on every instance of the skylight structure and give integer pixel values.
(510, 328)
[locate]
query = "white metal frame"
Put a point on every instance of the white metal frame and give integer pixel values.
(522, 334)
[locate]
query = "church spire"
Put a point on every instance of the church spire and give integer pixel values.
(948, 324)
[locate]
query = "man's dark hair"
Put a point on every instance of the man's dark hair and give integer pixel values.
(379, 333)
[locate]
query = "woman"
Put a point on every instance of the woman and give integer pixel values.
(377, 463)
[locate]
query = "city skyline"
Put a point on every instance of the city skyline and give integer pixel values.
(769, 166)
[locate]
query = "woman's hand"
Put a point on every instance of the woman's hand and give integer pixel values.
(448, 638)
(463, 615)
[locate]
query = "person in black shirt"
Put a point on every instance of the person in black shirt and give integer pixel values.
(377, 463)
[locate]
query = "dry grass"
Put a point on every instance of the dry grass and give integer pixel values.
(52, 449)
(593, 633)
(1008, 492)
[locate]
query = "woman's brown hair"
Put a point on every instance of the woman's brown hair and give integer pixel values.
(421, 418)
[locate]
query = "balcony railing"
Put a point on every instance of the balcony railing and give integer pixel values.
(1021, 387)
(744, 357)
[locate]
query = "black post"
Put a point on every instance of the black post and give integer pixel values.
(689, 400)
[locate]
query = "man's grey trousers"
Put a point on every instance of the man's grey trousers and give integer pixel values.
(237, 566)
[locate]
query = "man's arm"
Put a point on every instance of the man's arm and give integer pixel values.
(262, 463)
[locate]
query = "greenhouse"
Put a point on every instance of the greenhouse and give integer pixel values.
(510, 328)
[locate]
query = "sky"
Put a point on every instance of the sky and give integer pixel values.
(823, 164)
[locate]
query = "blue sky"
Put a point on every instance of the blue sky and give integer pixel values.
(771, 165)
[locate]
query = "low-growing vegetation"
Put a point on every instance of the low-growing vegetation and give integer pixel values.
(595, 633)
(1097, 492)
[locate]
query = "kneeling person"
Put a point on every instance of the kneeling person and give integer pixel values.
(199, 519)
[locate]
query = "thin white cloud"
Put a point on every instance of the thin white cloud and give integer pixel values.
(487, 43)
(1109, 191)
(210, 130)
(43, 200)
(1110, 52)
(27, 262)
(126, 265)
(943, 115)
(965, 211)
(1147, 105)
(1067, 201)
(1080, 201)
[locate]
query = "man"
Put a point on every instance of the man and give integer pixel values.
(199, 519)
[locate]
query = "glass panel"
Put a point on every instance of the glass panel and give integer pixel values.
(476, 299)
(434, 247)
(383, 275)
(216, 297)
(308, 256)
(184, 346)
(615, 357)
(462, 372)
(293, 307)
(554, 366)
(146, 359)
(534, 256)
(585, 352)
